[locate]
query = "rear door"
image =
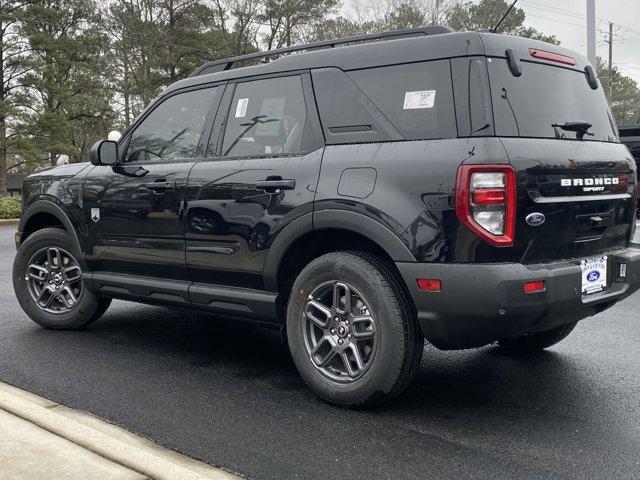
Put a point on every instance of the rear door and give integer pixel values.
(260, 173)
(135, 209)
(560, 136)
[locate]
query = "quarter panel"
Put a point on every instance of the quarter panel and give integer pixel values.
(413, 191)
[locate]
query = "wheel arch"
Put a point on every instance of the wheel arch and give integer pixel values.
(44, 214)
(358, 232)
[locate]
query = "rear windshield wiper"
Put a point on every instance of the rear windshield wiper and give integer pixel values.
(581, 128)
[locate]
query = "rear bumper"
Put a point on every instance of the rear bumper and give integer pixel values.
(482, 303)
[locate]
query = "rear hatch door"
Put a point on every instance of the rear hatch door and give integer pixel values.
(584, 191)
(560, 137)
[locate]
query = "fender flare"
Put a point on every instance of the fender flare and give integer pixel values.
(46, 206)
(354, 222)
(278, 249)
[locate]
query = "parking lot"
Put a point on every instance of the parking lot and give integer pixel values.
(230, 395)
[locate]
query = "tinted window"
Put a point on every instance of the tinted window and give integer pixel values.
(529, 105)
(417, 98)
(348, 116)
(172, 130)
(267, 117)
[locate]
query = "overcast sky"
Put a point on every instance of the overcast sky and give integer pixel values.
(567, 20)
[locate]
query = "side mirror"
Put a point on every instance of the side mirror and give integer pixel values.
(104, 152)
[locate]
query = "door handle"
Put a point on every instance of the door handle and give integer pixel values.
(275, 185)
(160, 186)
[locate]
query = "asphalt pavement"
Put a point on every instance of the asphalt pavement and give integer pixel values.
(229, 395)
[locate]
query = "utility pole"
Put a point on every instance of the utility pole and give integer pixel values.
(591, 31)
(610, 59)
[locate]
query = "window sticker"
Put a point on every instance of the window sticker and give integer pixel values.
(419, 99)
(241, 108)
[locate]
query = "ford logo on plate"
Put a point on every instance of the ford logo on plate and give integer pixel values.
(535, 219)
(593, 276)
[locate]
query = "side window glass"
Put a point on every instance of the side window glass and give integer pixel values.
(173, 129)
(267, 117)
(348, 116)
(416, 98)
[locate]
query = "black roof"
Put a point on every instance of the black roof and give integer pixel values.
(406, 47)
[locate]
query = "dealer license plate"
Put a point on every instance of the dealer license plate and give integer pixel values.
(594, 274)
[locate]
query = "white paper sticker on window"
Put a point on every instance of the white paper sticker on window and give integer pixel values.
(419, 99)
(241, 109)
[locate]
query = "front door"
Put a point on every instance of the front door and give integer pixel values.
(261, 174)
(134, 209)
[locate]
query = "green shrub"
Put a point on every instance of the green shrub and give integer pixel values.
(10, 207)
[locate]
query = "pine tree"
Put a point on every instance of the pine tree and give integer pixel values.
(70, 96)
(13, 50)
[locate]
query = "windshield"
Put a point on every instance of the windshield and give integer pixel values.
(547, 102)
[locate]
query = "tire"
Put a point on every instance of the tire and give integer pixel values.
(87, 308)
(391, 350)
(536, 341)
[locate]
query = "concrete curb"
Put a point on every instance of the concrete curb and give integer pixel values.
(110, 442)
(9, 221)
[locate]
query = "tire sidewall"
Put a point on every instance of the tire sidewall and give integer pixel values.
(379, 379)
(87, 305)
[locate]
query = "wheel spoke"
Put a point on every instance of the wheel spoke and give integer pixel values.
(357, 357)
(67, 297)
(363, 327)
(340, 291)
(347, 364)
(324, 360)
(37, 272)
(46, 297)
(54, 257)
(72, 274)
(314, 307)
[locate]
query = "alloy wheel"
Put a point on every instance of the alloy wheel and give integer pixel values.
(339, 331)
(55, 280)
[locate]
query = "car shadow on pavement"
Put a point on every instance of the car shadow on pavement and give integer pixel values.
(463, 379)
(450, 380)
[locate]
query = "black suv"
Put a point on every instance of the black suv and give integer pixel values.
(360, 195)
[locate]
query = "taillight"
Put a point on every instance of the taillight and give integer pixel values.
(622, 185)
(486, 202)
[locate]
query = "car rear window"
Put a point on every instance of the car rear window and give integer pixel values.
(543, 96)
(416, 98)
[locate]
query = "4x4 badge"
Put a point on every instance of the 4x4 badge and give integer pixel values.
(95, 214)
(535, 219)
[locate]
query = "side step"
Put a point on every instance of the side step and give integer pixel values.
(238, 302)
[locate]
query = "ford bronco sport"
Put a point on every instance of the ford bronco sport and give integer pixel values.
(361, 195)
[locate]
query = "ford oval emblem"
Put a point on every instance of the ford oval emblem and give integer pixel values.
(593, 276)
(535, 219)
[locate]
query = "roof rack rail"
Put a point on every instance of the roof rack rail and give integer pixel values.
(227, 63)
